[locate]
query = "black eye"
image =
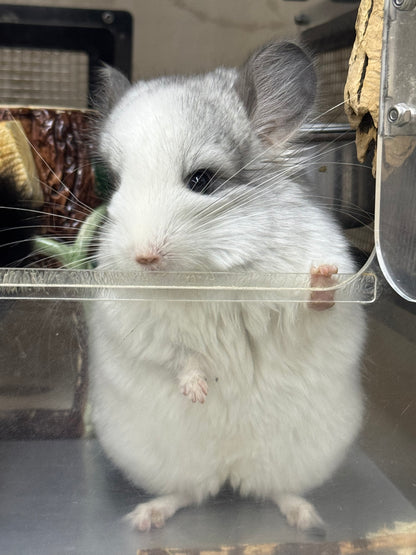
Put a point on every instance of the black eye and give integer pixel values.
(201, 181)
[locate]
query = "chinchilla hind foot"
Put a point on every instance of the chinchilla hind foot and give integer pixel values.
(154, 513)
(300, 513)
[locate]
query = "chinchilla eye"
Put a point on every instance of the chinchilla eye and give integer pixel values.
(201, 181)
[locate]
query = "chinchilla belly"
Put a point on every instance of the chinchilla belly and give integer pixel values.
(281, 409)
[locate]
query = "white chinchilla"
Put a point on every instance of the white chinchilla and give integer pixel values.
(275, 387)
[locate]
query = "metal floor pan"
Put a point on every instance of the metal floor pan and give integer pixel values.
(60, 497)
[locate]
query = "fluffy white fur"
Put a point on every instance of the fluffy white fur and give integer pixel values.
(276, 388)
(283, 403)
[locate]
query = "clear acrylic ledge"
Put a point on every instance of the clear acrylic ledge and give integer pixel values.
(88, 285)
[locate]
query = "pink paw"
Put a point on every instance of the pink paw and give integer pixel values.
(144, 517)
(194, 386)
(305, 517)
(299, 512)
(321, 276)
(154, 513)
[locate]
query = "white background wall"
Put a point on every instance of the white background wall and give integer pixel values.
(187, 36)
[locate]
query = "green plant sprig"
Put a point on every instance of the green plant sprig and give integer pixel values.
(73, 255)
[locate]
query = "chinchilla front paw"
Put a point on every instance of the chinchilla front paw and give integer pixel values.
(194, 385)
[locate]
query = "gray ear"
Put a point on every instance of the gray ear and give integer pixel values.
(277, 86)
(112, 85)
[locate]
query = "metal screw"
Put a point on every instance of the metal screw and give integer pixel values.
(108, 17)
(404, 5)
(393, 115)
(401, 114)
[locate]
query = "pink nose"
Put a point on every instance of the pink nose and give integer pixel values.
(147, 259)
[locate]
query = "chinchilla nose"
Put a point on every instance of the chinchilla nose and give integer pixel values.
(147, 259)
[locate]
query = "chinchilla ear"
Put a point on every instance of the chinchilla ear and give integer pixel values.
(111, 86)
(277, 86)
